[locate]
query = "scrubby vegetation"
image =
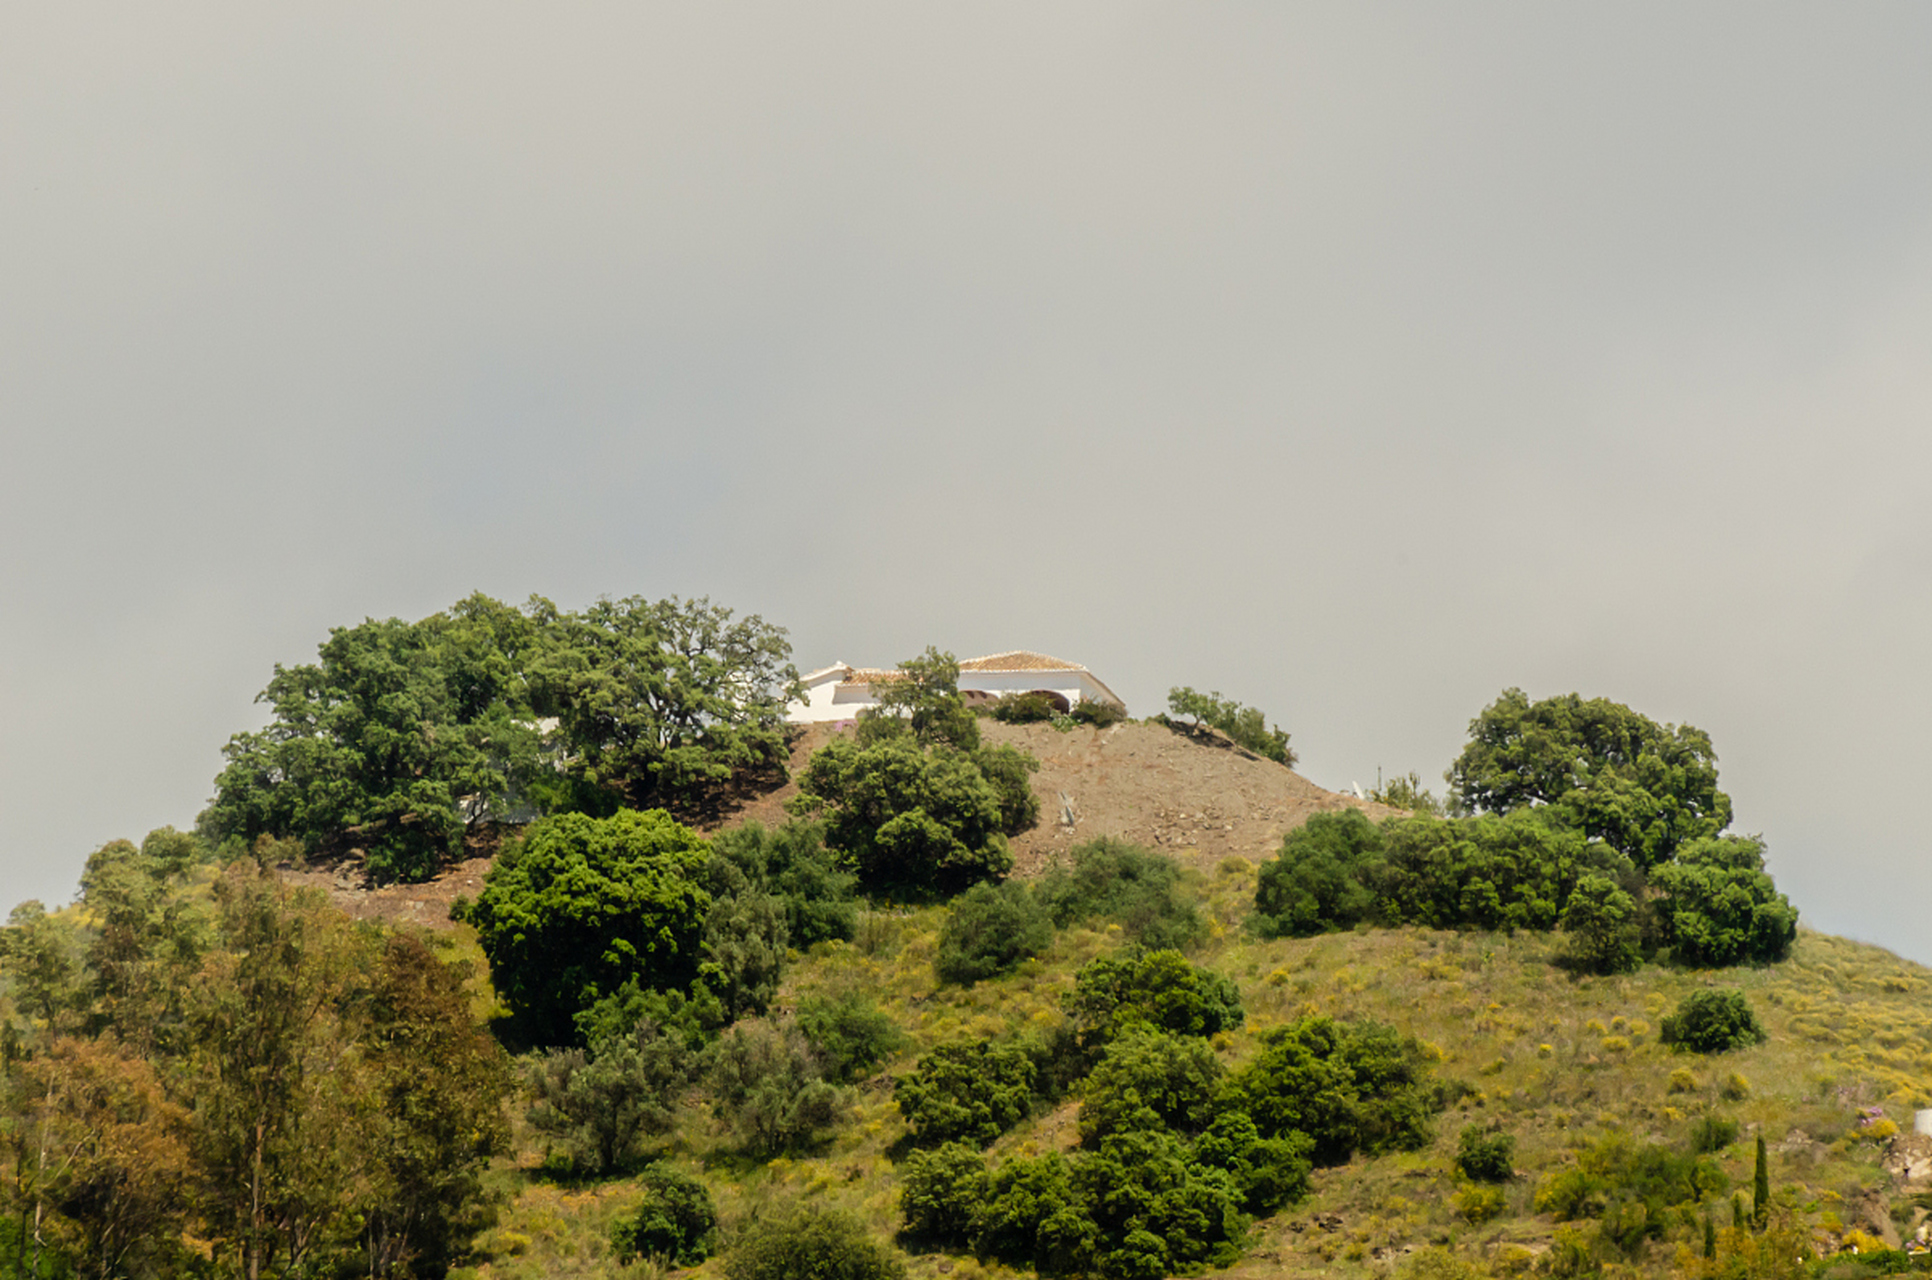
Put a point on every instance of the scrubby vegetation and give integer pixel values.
(989, 930)
(1437, 1046)
(1713, 1022)
(915, 803)
(1244, 726)
(1112, 880)
(1594, 819)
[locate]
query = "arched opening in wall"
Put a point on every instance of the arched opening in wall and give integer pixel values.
(976, 697)
(1059, 700)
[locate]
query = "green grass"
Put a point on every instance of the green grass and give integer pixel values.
(1558, 1060)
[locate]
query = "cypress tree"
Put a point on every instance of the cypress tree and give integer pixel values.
(1710, 1235)
(1761, 1190)
(1737, 1211)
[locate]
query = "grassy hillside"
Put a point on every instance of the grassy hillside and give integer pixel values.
(1558, 1062)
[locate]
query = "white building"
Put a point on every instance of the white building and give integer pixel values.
(840, 692)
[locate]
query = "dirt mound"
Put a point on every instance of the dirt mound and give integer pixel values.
(1200, 799)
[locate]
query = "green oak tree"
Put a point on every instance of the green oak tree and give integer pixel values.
(1720, 906)
(581, 906)
(1641, 787)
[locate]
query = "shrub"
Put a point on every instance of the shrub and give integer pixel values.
(943, 1191)
(1712, 1133)
(1150, 1081)
(1112, 879)
(1639, 1190)
(792, 863)
(1491, 871)
(1024, 708)
(1321, 879)
(1713, 1022)
(582, 905)
(813, 1244)
(1156, 990)
(676, 1221)
(1602, 923)
(915, 823)
(1032, 1217)
(745, 937)
(990, 930)
(1269, 1172)
(1477, 1203)
(1100, 715)
(851, 1034)
(603, 1103)
(1721, 908)
(1485, 1157)
(1156, 1211)
(970, 1092)
(770, 1088)
(1349, 1086)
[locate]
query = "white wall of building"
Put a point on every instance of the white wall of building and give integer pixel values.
(827, 698)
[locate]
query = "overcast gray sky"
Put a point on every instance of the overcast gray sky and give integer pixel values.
(1356, 360)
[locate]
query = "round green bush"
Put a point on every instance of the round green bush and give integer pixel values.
(944, 1189)
(1486, 1157)
(813, 1244)
(1713, 1022)
(989, 931)
(676, 1221)
(968, 1092)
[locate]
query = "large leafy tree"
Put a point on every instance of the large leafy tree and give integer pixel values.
(913, 823)
(276, 1074)
(663, 703)
(403, 737)
(914, 802)
(391, 742)
(583, 907)
(1617, 775)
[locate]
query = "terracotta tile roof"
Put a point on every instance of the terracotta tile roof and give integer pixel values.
(1018, 660)
(1012, 660)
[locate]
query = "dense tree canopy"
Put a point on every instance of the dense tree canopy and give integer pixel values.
(581, 906)
(1618, 776)
(1720, 906)
(913, 801)
(1350, 1086)
(403, 736)
(1591, 818)
(236, 1067)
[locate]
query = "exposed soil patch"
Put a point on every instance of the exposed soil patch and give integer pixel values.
(1199, 799)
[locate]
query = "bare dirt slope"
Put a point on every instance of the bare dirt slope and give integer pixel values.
(1199, 799)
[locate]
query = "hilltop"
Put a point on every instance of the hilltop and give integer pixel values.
(1197, 797)
(1568, 1066)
